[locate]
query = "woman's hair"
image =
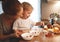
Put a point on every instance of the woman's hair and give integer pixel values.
(11, 6)
(26, 6)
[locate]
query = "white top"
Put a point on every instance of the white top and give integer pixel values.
(23, 24)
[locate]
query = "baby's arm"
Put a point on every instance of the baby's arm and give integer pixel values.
(39, 23)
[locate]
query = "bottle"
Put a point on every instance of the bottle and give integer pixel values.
(42, 26)
(52, 21)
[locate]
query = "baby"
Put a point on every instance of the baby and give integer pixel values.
(23, 23)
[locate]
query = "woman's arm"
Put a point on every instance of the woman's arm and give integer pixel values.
(2, 37)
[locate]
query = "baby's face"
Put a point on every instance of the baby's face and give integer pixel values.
(27, 13)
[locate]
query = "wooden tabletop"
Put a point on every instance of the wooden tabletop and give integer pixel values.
(42, 38)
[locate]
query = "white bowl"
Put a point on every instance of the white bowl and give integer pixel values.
(34, 32)
(27, 36)
(36, 28)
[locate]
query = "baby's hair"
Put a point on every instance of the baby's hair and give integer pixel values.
(26, 6)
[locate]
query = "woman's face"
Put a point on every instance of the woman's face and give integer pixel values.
(27, 13)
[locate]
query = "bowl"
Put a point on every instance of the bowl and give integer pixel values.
(35, 30)
(27, 36)
(35, 33)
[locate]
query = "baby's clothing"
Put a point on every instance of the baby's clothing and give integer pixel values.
(23, 24)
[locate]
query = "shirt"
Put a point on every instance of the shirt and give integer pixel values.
(23, 24)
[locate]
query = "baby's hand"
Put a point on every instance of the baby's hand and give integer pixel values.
(18, 33)
(42, 23)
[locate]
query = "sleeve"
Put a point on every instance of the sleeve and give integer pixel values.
(33, 23)
(15, 25)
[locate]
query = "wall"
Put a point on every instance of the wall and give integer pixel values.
(36, 13)
(1, 11)
(50, 7)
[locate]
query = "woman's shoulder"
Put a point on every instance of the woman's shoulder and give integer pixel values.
(1, 15)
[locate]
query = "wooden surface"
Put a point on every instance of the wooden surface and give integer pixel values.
(42, 38)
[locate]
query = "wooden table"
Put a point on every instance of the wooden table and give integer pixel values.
(35, 39)
(42, 38)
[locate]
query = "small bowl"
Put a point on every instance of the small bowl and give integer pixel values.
(27, 36)
(35, 33)
(36, 28)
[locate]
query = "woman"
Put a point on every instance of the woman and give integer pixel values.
(12, 9)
